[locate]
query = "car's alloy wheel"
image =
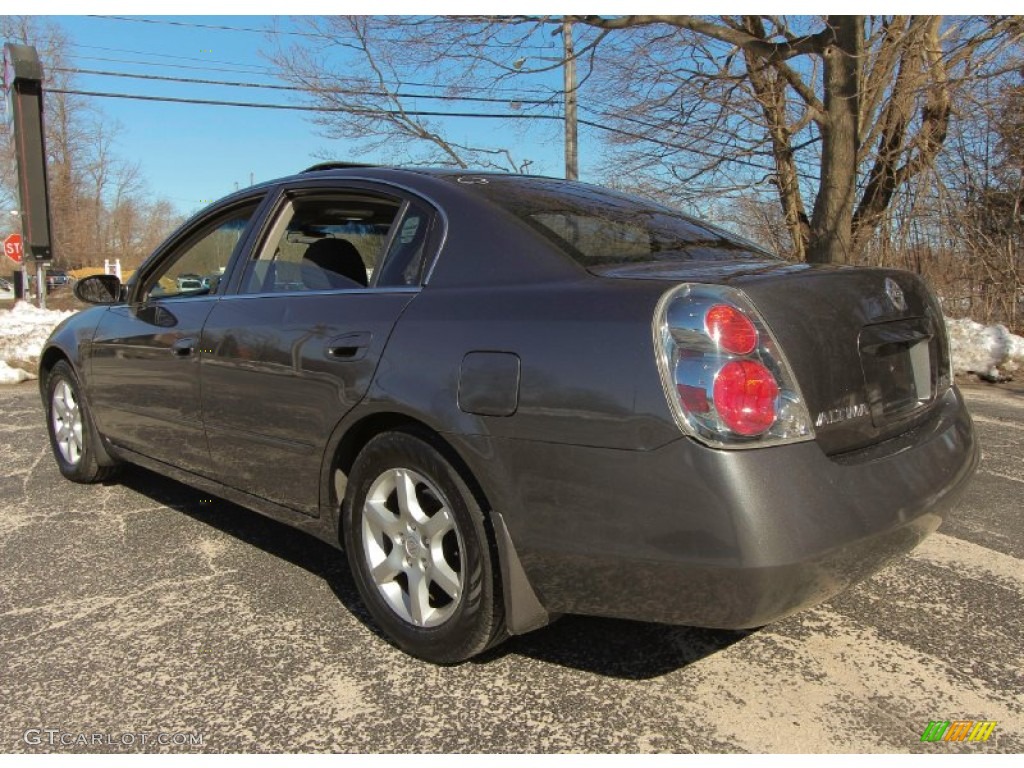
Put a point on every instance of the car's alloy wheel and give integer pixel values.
(420, 551)
(412, 548)
(66, 418)
(70, 428)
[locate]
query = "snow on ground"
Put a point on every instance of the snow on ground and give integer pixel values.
(23, 331)
(10, 375)
(989, 350)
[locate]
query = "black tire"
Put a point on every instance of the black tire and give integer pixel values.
(81, 466)
(452, 630)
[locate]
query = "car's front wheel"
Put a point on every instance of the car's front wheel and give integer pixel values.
(71, 429)
(419, 551)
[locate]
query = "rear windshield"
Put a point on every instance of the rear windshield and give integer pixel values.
(597, 226)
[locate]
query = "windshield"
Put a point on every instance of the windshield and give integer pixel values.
(597, 226)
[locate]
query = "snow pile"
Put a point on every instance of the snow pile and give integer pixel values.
(10, 375)
(988, 350)
(23, 331)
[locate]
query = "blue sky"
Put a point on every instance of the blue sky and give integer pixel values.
(192, 154)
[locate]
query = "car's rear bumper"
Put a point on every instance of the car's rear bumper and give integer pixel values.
(689, 535)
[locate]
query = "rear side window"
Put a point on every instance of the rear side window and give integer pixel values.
(406, 257)
(322, 243)
(596, 226)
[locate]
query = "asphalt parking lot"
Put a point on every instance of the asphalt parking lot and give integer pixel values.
(147, 609)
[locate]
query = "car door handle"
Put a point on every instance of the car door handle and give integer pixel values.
(183, 347)
(350, 346)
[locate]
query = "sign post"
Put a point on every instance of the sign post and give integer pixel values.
(23, 84)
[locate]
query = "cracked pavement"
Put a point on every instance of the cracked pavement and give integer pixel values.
(147, 606)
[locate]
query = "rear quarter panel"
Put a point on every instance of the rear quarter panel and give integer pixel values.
(588, 373)
(588, 382)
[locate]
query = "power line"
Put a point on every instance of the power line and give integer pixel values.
(381, 113)
(163, 55)
(195, 25)
(175, 66)
(270, 73)
(345, 91)
(384, 113)
(684, 148)
(670, 145)
(302, 108)
(547, 48)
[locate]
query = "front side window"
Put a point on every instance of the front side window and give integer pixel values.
(323, 243)
(198, 266)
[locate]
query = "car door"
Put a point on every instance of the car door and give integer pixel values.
(295, 347)
(144, 361)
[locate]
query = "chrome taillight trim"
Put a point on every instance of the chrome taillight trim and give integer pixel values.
(681, 327)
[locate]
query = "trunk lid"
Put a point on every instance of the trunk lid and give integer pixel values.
(867, 346)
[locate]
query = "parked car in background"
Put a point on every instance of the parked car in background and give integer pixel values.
(57, 278)
(191, 282)
(511, 397)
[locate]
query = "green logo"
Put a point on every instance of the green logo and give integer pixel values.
(958, 730)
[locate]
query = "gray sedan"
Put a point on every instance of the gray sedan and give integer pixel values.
(506, 398)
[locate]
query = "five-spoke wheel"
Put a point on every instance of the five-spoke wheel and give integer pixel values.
(66, 418)
(420, 551)
(70, 428)
(412, 547)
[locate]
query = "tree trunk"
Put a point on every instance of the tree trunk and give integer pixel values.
(770, 91)
(832, 220)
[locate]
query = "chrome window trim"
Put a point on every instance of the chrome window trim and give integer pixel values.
(325, 292)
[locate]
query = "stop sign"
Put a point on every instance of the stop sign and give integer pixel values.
(12, 247)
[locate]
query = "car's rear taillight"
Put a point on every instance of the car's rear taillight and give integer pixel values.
(731, 329)
(745, 397)
(727, 382)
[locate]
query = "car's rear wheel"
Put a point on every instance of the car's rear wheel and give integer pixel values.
(420, 552)
(70, 427)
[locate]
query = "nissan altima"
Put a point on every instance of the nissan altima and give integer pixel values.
(506, 398)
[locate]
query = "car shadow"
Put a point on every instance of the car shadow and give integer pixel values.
(616, 648)
(282, 541)
(631, 650)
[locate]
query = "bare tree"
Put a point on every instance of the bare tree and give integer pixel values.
(837, 114)
(92, 189)
(369, 102)
(71, 128)
(980, 206)
(841, 111)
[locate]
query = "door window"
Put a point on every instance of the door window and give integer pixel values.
(406, 256)
(323, 243)
(196, 268)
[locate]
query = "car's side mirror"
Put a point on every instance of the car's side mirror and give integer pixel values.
(100, 289)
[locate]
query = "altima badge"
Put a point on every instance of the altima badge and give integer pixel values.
(895, 294)
(841, 414)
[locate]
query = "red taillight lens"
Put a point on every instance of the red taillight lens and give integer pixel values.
(731, 329)
(745, 395)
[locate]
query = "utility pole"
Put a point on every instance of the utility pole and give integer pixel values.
(572, 166)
